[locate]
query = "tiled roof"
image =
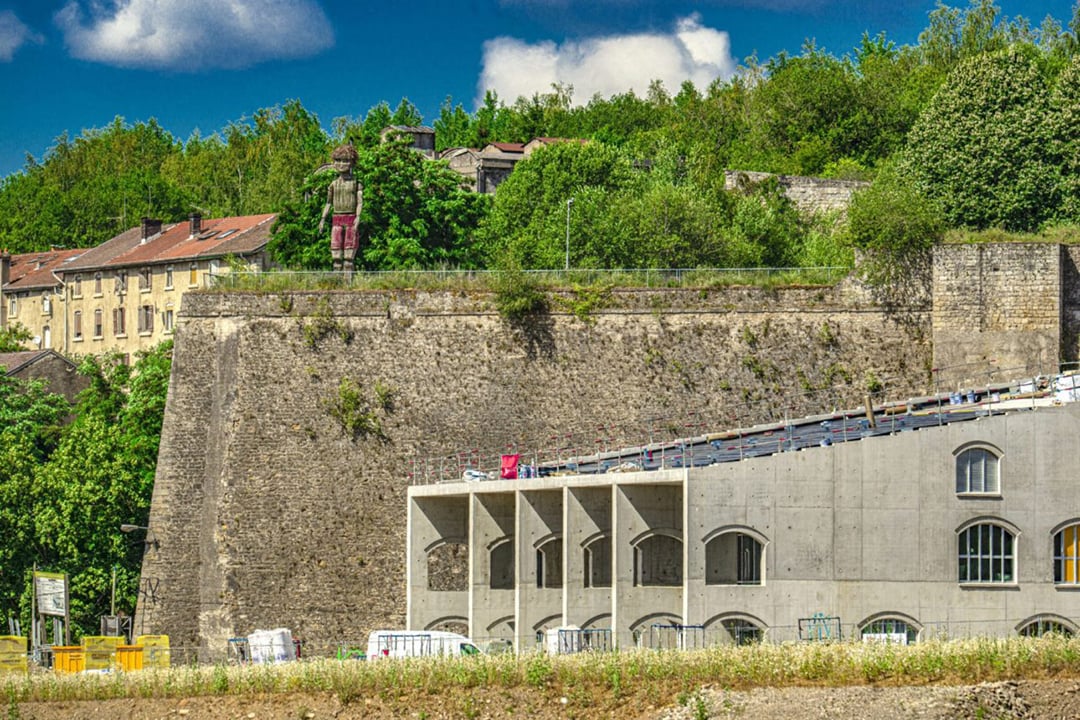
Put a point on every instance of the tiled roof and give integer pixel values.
(31, 271)
(506, 147)
(218, 237)
(15, 361)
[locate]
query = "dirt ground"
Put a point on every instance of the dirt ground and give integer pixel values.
(1034, 699)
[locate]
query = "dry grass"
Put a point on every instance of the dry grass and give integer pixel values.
(656, 676)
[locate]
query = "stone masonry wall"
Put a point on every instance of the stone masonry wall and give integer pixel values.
(997, 311)
(808, 194)
(268, 515)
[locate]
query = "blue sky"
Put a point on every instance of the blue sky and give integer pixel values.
(199, 64)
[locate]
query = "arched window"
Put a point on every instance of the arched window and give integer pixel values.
(889, 628)
(977, 472)
(597, 559)
(501, 556)
(733, 556)
(658, 561)
(987, 554)
(1044, 625)
(1067, 555)
(742, 631)
(549, 563)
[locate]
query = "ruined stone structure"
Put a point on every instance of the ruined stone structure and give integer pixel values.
(808, 194)
(275, 505)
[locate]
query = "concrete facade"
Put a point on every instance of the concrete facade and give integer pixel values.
(862, 531)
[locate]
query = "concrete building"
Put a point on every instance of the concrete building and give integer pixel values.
(124, 295)
(908, 533)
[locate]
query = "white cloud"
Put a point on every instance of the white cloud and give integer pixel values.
(193, 34)
(608, 65)
(13, 35)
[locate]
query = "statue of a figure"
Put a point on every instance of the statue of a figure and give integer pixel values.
(346, 197)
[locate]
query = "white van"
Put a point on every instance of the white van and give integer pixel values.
(418, 643)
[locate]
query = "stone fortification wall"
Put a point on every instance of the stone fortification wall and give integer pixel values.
(269, 515)
(808, 194)
(998, 310)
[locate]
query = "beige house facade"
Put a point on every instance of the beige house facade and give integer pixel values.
(124, 295)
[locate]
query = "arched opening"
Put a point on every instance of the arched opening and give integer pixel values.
(501, 559)
(735, 556)
(448, 567)
(1067, 555)
(597, 559)
(658, 561)
(890, 628)
(549, 563)
(1045, 624)
(987, 553)
(977, 470)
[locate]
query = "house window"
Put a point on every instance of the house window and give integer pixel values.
(986, 554)
(598, 563)
(168, 277)
(193, 274)
(99, 323)
(76, 324)
(119, 322)
(46, 337)
(97, 283)
(13, 307)
(549, 564)
(977, 472)
(890, 630)
(167, 321)
(77, 289)
(146, 319)
(46, 304)
(501, 557)
(733, 558)
(1067, 556)
(120, 283)
(658, 561)
(146, 279)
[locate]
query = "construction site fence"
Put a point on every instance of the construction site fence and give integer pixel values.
(659, 637)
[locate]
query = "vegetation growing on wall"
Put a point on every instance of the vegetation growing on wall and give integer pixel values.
(360, 413)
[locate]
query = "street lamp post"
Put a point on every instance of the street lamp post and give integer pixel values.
(569, 204)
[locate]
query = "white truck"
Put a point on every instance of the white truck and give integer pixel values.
(418, 643)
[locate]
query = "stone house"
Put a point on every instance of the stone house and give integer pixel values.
(59, 372)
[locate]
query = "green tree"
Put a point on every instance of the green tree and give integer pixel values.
(1063, 129)
(100, 476)
(980, 149)
(14, 338)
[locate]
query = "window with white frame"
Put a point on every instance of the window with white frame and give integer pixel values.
(1067, 555)
(99, 323)
(977, 472)
(13, 306)
(46, 304)
(119, 322)
(167, 321)
(76, 324)
(1045, 625)
(169, 277)
(146, 319)
(987, 554)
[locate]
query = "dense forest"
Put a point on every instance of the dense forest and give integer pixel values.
(976, 127)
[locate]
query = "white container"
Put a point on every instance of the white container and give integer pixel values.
(268, 646)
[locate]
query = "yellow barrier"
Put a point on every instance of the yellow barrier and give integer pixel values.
(68, 658)
(12, 653)
(129, 657)
(100, 651)
(155, 650)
